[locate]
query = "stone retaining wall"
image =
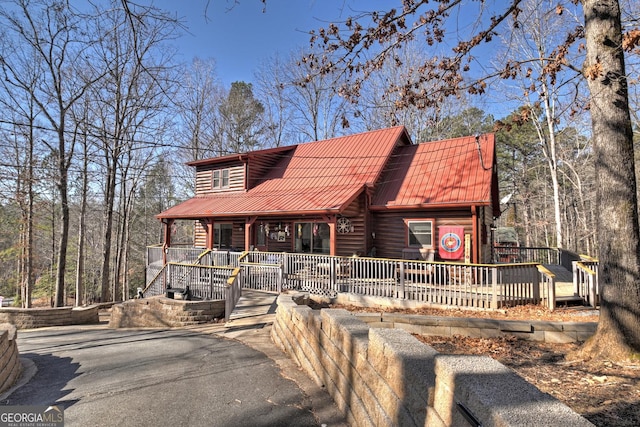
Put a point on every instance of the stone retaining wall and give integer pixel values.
(10, 366)
(28, 318)
(164, 312)
(386, 377)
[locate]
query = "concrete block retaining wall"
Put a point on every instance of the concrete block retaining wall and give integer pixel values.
(10, 366)
(553, 332)
(28, 318)
(386, 377)
(164, 312)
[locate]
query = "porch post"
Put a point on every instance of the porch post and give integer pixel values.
(331, 221)
(208, 223)
(168, 223)
(248, 226)
(475, 241)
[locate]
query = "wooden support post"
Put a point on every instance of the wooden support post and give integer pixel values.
(248, 227)
(168, 223)
(210, 242)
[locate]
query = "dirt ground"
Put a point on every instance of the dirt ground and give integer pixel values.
(606, 393)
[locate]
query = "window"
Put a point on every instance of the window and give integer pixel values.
(312, 237)
(220, 178)
(420, 233)
(215, 182)
(225, 178)
(222, 235)
(262, 236)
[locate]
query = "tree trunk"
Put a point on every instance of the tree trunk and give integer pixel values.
(63, 243)
(29, 273)
(108, 230)
(63, 188)
(81, 230)
(618, 333)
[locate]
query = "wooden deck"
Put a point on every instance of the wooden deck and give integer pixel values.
(476, 285)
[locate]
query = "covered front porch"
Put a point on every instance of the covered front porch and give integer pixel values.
(325, 234)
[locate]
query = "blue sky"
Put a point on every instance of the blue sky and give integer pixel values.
(241, 35)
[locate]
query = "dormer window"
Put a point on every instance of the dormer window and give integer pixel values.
(220, 179)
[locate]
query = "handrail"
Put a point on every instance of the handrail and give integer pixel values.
(152, 281)
(588, 258)
(550, 279)
(233, 292)
(206, 251)
(583, 266)
(585, 281)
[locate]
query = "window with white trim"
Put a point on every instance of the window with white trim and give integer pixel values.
(220, 179)
(420, 233)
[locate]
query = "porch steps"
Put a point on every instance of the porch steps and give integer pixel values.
(570, 301)
(564, 287)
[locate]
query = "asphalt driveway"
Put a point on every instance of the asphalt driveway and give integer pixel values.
(178, 377)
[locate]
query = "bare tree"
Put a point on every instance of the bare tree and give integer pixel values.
(550, 97)
(379, 108)
(131, 94)
(198, 98)
(81, 120)
(50, 31)
(23, 127)
(272, 88)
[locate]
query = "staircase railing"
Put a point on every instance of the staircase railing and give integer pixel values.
(586, 281)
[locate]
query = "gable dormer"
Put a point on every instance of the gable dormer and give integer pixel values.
(237, 172)
(220, 175)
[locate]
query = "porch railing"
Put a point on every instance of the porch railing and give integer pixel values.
(548, 280)
(519, 254)
(472, 285)
(262, 272)
(202, 281)
(586, 281)
(234, 292)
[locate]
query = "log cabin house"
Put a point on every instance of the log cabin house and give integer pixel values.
(369, 194)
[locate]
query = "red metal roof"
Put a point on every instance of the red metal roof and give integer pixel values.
(440, 173)
(321, 176)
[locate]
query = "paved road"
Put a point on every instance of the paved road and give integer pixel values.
(180, 377)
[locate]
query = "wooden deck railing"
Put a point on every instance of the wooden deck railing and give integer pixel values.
(586, 281)
(234, 292)
(519, 254)
(261, 272)
(471, 285)
(548, 280)
(203, 282)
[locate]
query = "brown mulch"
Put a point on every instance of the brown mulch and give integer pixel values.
(606, 393)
